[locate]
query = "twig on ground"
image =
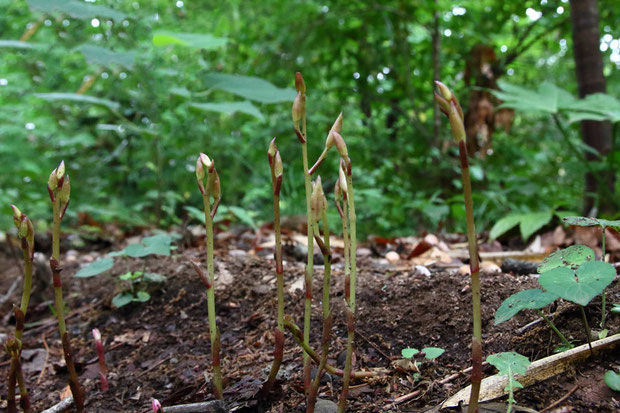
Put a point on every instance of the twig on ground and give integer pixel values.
(563, 398)
(64, 405)
(47, 355)
(213, 406)
(406, 397)
(458, 373)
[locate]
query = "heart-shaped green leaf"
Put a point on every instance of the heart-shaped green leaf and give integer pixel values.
(571, 257)
(97, 267)
(612, 379)
(532, 299)
(409, 352)
(432, 352)
(509, 362)
(581, 286)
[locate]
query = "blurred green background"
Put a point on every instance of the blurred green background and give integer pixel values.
(129, 92)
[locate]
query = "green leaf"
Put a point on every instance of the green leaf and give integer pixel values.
(154, 277)
(76, 97)
(74, 8)
(432, 352)
(504, 225)
(96, 268)
(597, 106)
(249, 87)
(16, 44)
(122, 299)
(532, 299)
(609, 224)
(135, 251)
(612, 379)
(530, 223)
(572, 257)
(615, 309)
(579, 286)
(581, 221)
(409, 352)
(243, 216)
(105, 57)
(191, 40)
(547, 98)
(509, 362)
(142, 297)
(158, 244)
(230, 108)
(126, 277)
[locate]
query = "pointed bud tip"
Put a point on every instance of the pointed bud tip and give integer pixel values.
(96, 334)
(206, 161)
(300, 85)
(444, 90)
(17, 214)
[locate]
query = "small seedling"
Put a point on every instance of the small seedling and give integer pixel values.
(508, 365)
(299, 124)
(572, 275)
(612, 379)
(209, 185)
(450, 106)
(59, 190)
(136, 289)
(603, 224)
(429, 353)
(532, 299)
(103, 369)
(275, 163)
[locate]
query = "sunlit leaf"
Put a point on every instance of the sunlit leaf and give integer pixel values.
(230, 108)
(509, 362)
(572, 257)
(579, 286)
(532, 299)
(191, 40)
(504, 225)
(409, 352)
(432, 352)
(16, 44)
(96, 268)
(612, 379)
(532, 222)
(78, 98)
(249, 87)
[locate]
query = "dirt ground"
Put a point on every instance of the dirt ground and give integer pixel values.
(160, 349)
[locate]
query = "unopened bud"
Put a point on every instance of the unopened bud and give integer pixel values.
(17, 216)
(65, 191)
(52, 182)
(206, 162)
(341, 146)
(96, 334)
(200, 171)
(342, 178)
(337, 126)
(271, 152)
(300, 85)
(443, 89)
(213, 183)
(456, 123)
(277, 165)
(156, 406)
(299, 109)
(318, 203)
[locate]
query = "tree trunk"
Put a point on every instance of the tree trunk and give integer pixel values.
(590, 79)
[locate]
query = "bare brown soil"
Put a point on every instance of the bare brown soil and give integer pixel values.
(161, 348)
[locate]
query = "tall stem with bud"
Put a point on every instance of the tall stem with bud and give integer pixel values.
(208, 189)
(299, 123)
(59, 189)
(275, 163)
(335, 139)
(450, 106)
(340, 192)
(319, 212)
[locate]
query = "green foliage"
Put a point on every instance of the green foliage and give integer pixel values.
(528, 223)
(579, 286)
(612, 379)
(191, 40)
(509, 363)
(571, 257)
(591, 222)
(532, 299)
(135, 287)
(98, 267)
(430, 353)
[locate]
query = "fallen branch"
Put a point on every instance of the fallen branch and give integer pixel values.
(493, 387)
(214, 406)
(60, 407)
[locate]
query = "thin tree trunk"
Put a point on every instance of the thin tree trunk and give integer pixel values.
(590, 79)
(436, 47)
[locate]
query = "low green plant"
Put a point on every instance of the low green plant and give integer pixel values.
(427, 353)
(509, 364)
(612, 379)
(136, 291)
(615, 309)
(209, 185)
(568, 273)
(59, 189)
(449, 105)
(275, 164)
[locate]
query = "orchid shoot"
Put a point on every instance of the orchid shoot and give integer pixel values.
(450, 106)
(59, 189)
(210, 188)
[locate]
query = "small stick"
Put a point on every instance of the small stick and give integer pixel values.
(64, 405)
(566, 396)
(47, 355)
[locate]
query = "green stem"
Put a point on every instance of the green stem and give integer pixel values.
(309, 265)
(604, 293)
(350, 311)
(586, 328)
(347, 248)
(60, 307)
(474, 265)
(213, 332)
(554, 328)
(327, 260)
(511, 398)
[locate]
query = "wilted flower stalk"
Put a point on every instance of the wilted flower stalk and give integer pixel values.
(299, 123)
(335, 139)
(450, 106)
(275, 163)
(319, 212)
(59, 189)
(208, 189)
(103, 369)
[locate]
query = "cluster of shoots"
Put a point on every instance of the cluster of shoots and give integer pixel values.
(450, 106)
(275, 164)
(13, 346)
(59, 190)
(209, 185)
(103, 369)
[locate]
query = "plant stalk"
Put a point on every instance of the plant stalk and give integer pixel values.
(554, 328)
(586, 328)
(604, 293)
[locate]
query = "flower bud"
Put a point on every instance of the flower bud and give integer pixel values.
(443, 89)
(200, 171)
(456, 123)
(17, 216)
(338, 141)
(318, 203)
(300, 85)
(213, 183)
(342, 179)
(271, 152)
(156, 406)
(52, 182)
(277, 167)
(299, 109)
(65, 191)
(337, 126)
